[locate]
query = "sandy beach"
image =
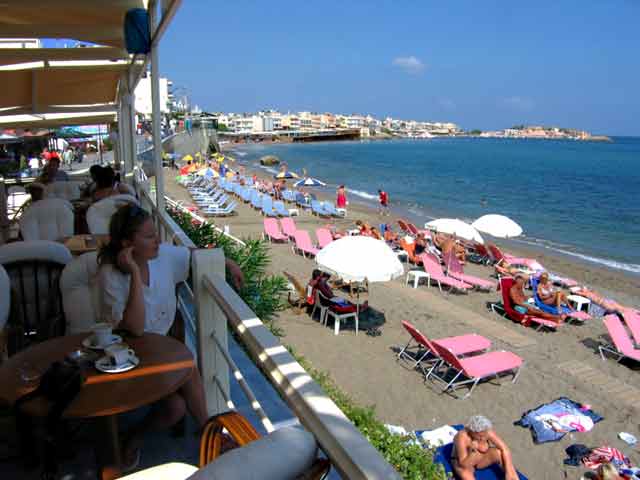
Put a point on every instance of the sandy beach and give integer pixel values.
(562, 363)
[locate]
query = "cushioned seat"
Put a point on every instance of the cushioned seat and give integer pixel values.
(99, 214)
(48, 219)
(80, 293)
(65, 190)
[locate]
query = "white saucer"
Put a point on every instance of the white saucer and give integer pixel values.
(104, 365)
(88, 342)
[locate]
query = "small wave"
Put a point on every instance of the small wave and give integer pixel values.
(270, 169)
(361, 194)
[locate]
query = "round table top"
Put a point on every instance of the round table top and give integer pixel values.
(165, 365)
(578, 298)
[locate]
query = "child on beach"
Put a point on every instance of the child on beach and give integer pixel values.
(341, 197)
(383, 197)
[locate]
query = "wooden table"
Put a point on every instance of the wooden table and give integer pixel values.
(165, 365)
(79, 244)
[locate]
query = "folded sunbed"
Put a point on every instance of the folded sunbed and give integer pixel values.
(621, 344)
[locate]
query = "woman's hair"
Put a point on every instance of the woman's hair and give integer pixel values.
(124, 224)
(94, 171)
(315, 274)
(105, 177)
(479, 423)
(607, 471)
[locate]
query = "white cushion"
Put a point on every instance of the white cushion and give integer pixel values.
(48, 219)
(35, 250)
(283, 454)
(80, 293)
(64, 190)
(99, 214)
(5, 297)
(168, 471)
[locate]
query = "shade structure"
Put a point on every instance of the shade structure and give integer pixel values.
(285, 174)
(187, 158)
(497, 226)
(455, 226)
(309, 182)
(208, 173)
(359, 258)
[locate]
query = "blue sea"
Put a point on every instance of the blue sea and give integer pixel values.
(576, 198)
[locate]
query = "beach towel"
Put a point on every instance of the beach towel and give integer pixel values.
(543, 306)
(443, 457)
(605, 454)
(552, 421)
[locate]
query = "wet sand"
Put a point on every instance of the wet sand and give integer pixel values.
(562, 363)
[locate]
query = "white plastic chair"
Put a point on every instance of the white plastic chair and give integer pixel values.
(80, 293)
(48, 219)
(99, 214)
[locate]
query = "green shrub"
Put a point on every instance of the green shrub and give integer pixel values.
(263, 293)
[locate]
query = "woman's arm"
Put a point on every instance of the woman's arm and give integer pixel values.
(467, 457)
(507, 460)
(134, 313)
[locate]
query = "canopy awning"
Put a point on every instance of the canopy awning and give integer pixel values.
(57, 119)
(95, 21)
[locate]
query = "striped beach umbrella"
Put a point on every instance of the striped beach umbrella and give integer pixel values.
(187, 158)
(309, 182)
(285, 174)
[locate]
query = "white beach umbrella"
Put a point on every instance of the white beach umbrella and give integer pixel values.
(457, 227)
(497, 226)
(358, 258)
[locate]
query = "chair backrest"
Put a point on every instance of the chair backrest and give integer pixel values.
(618, 334)
(271, 227)
(81, 293)
(303, 240)
(127, 188)
(496, 253)
(420, 337)
(432, 268)
(481, 250)
(452, 262)
(5, 300)
(65, 190)
(47, 219)
(449, 357)
(412, 228)
(505, 286)
(403, 226)
(324, 237)
(288, 226)
(99, 214)
(34, 270)
(632, 319)
(279, 206)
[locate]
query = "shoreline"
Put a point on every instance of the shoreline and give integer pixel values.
(617, 282)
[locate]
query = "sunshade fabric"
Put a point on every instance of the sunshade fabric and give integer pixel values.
(497, 226)
(13, 56)
(95, 21)
(57, 120)
(309, 182)
(456, 227)
(358, 258)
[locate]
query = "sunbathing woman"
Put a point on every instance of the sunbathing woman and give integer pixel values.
(138, 277)
(548, 294)
(478, 446)
(364, 228)
(521, 304)
(390, 236)
(505, 269)
(375, 233)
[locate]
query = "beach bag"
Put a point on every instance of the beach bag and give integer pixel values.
(136, 31)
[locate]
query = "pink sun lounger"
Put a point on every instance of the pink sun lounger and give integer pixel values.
(420, 348)
(272, 230)
(632, 319)
(303, 244)
(288, 227)
(455, 270)
(324, 237)
(434, 270)
(621, 344)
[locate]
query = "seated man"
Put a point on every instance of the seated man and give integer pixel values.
(328, 299)
(520, 304)
(478, 446)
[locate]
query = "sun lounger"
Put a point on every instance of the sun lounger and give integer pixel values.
(280, 209)
(420, 348)
(256, 200)
(480, 255)
(332, 210)
(303, 244)
(572, 315)
(434, 270)
(221, 212)
(471, 370)
(621, 344)
(509, 312)
(404, 227)
(632, 319)
(288, 227)
(272, 231)
(455, 270)
(324, 237)
(267, 206)
(317, 209)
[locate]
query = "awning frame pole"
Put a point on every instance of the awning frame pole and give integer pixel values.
(155, 109)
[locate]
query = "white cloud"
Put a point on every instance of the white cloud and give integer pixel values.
(522, 104)
(409, 64)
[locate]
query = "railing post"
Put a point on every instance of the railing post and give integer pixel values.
(210, 320)
(4, 214)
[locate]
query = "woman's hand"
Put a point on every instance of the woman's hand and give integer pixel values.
(125, 261)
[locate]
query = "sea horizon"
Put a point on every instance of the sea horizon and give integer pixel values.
(572, 198)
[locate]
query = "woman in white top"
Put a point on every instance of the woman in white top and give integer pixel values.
(549, 295)
(138, 276)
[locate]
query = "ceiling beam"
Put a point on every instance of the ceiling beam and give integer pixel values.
(10, 56)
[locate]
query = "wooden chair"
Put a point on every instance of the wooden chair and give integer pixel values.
(299, 303)
(242, 433)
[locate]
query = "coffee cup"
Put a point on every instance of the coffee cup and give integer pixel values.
(101, 334)
(119, 354)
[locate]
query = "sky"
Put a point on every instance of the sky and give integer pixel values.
(482, 64)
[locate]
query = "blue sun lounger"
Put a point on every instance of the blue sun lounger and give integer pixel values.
(280, 209)
(267, 206)
(318, 209)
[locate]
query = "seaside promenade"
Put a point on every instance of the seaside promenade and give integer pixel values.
(557, 364)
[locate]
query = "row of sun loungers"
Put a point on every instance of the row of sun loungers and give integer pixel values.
(285, 230)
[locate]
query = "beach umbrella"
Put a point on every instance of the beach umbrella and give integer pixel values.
(285, 174)
(309, 182)
(208, 172)
(358, 258)
(187, 158)
(497, 226)
(454, 226)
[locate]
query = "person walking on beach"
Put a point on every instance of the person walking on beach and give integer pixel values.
(341, 197)
(384, 202)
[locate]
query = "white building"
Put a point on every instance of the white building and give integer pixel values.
(143, 96)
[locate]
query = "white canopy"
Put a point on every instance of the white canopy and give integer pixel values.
(497, 226)
(358, 258)
(457, 227)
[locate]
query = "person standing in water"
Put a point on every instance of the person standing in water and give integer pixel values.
(341, 197)
(383, 197)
